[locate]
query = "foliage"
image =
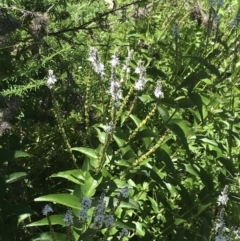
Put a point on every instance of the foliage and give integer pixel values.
(142, 119)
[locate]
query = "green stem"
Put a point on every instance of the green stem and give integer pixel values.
(61, 128)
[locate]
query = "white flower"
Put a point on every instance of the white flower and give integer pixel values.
(51, 79)
(126, 68)
(99, 68)
(115, 90)
(115, 60)
(139, 67)
(140, 84)
(220, 225)
(68, 218)
(109, 128)
(96, 63)
(47, 209)
(223, 198)
(220, 238)
(158, 90)
(140, 70)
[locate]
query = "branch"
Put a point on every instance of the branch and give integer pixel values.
(84, 25)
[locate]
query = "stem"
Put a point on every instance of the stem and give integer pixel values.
(61, 129)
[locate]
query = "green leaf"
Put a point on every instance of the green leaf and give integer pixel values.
(87, 151)
(154, 205)
(190, 169)
(144, 134)
(139, 229)
(179, 221)
(180, 128)
(120, 137)
(162, 155)
(131, 204)
(208, 141)
(204, 62)
(163, 111)
(12, 154)
(14, 177)
(193, 79)
(136, 120)
(197, 100)
(64, 199)
(56, 219)
(228, 164)
(48, 237)
(145, 99)
(201, 208)
(73, 175)
(89, 187)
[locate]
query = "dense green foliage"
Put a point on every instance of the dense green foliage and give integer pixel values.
(65, 141)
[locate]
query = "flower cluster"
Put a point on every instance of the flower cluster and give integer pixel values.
(115, 84)
(124, 232)
(126, 68)
(47, 209)
(86, 204)
(158, 90)
(140, 70)
(5, 127)
(235, 21)
(216, 19)
(109, 128)
(217, 3)
(100, 217)
(96, 63)
(68, 217)
(124, 192)
(223, 198)
(51, 79)
(220, 225)
(175, 30)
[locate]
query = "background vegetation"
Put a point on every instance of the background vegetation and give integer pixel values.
(62, 142)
